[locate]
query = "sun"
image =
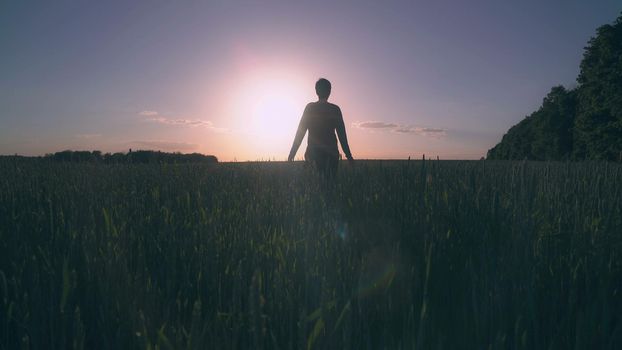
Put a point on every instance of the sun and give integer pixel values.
(275, 112)
(269, 110)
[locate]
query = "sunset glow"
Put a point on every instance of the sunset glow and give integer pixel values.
(232, 78)
(268, 109)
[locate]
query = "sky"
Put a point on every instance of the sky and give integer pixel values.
(231, 78)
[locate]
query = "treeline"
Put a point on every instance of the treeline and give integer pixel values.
(130, 157)
(578, 124)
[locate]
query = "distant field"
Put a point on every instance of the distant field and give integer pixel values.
(396, 255)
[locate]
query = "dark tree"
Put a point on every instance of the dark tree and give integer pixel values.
(584, 123)
(545, 134)
(598, 127)
(130, 157)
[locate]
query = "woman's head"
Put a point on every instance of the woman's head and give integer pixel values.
(322, 88)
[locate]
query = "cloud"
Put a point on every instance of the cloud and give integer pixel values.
(148, 113)
(170, 146)
(187, 122)
(154, 116)
(433, 132)
(375, 125)
(402, 129)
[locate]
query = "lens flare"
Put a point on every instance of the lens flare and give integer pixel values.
(376, 280)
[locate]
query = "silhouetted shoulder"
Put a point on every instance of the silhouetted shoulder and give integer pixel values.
(323, 106)
(334, 106)
(336, 111)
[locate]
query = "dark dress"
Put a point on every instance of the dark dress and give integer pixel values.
(322, 119)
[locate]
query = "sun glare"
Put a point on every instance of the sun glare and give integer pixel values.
(269, 110)
(275, 112)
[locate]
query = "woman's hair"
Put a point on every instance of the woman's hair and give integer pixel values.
(322, 88)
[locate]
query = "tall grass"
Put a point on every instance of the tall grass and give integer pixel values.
(396, 255)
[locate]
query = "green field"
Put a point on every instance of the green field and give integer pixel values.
(396, 255)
